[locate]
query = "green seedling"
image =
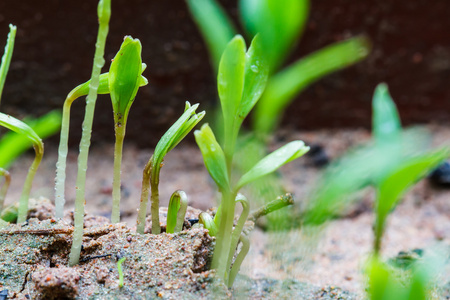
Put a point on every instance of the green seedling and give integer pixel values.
(176, 133)
(23, 129)
(104, 14)
(279, 24)
(389, 283)
(241, 80)
(392, 162)
(176, 211)
(119, 270)
(80, 91)
(5, 186)
(124, 82)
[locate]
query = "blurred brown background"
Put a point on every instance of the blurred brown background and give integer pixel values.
(55, 45)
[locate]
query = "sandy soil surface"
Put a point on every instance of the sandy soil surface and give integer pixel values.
(420, 221)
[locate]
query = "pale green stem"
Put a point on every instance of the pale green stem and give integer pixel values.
(281, 201)
(60, 179)
(104, 12)
(146, 176)
(23, 202)
(223, 240)
(120, 135)
(154, 198)
(238, 228)
(239, 259)
(5, 187)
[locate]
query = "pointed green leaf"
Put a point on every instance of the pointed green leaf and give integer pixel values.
(177, 132)
(386, 121)
(405, 175)
(208, 222)
(213, 156)
(278, 22)
(6, 58)
(124, 76)
(256, 74)
(230, 81)
(273, 161)
(216, 28)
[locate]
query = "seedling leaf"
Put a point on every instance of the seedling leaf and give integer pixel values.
(213, 156)
(6, 58)
(273, 161)
(256, 74)
(124, 76)
(278, 22)
(386, 121)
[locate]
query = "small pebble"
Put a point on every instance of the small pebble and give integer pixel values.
(441, 175)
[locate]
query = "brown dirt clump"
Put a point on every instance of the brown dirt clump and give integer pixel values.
(165, 265)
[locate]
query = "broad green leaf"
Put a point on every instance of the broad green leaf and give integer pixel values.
(256, 74)
(13, 144)
(124, 76)
(283, 87)
(273, 161)
(405, 175)
(386, 121)
(213, 156)
(278, 22)
(216, 28)
(230, 83)
(6, 58)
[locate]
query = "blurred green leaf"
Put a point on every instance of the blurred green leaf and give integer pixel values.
(386, 121)
(278, 22)
(13, 144)
(404, 176)
(273, 161)
(283, 87)
(214, 24)
(213, 156)
(21, 128)
(7, 55)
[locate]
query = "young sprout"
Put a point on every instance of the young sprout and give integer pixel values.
(77, 92)
(124, 81)
(150, 179)
(241, 81)
(23, 129)
(5, 186)
(119, 270)
(392, 162)
(176, 212)
(104, 14)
